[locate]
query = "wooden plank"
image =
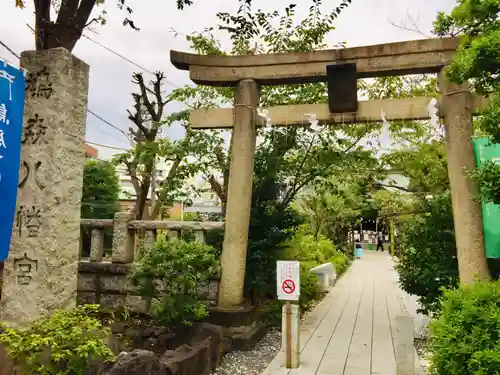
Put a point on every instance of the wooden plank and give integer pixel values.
(400, 58)
(383, 361)
(336, 353)
(309, 326)
(312, 353)
(293, 115)
(359, 358)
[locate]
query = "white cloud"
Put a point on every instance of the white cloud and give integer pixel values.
(364, 22)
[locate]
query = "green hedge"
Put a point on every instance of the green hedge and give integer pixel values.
(465, 338)
(341, 263)
(306, 248)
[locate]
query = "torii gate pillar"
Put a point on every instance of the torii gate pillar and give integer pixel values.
(239, 197)
(458, 108)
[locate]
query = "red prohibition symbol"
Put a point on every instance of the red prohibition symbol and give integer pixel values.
(288, 286)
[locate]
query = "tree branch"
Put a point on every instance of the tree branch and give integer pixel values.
(67, 11)
(161, 196)
(136, 182)
(42, 23)
(217, 187)
(402, 188)
(296, 178)
(138, 118)
(83, 15)
(413, 28)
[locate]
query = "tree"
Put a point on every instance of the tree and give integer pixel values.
(478, 61)
(339, 200)
(288, 160)
(73, 16)
(101, 189)
(148, 118)
(251, 33)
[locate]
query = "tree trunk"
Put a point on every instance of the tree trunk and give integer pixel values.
(67, 29)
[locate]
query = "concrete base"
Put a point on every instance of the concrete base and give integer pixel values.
(404, 349)
(241, 326)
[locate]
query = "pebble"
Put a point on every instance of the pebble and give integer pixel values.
(251, 362)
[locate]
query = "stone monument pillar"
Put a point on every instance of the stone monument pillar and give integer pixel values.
(467, 216)
(41, 272)
(239, 198)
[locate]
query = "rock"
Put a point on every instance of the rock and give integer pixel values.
(166, 339)
(137, 362)
(6, 366)
(186, 360)
(134, 333)
(119, 327)
(217, 345)
(149, 332)
(160, 331)
(152, 341)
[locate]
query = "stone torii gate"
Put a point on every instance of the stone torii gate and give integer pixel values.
(248, 73)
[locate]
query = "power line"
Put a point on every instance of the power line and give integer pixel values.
(106, 146)
(119, 55)
(107, 123)
(107, 133)
(125, 58)
(8, 49)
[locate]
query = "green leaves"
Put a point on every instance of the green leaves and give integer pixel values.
(488, 178)
(172, 273)
(428, 259)
(465, 338)
(101, 189)
(64, 343)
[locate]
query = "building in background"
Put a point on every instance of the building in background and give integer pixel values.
(204, 201)
(91, 152)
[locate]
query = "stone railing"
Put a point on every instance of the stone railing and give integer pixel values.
(114, 244)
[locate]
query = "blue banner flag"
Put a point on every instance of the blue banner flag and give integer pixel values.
(12, 83)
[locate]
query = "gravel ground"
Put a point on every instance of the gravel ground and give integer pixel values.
(251, 362)
(255, 361)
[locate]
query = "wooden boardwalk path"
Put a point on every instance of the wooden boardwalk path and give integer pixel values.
(352, 331)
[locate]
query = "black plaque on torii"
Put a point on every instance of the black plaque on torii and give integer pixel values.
(342, 87)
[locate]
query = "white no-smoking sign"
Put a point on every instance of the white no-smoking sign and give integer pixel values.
(288, 280)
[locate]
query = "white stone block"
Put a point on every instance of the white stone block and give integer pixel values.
(326, 276)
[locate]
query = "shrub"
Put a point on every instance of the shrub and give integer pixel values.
(308, 288)
(63, 343)
(178, 269)
(341, 262)
(465, 338)
(427, 259)
(305, 248)
(269, 228)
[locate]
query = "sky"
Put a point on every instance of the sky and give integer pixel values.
(364, 22)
